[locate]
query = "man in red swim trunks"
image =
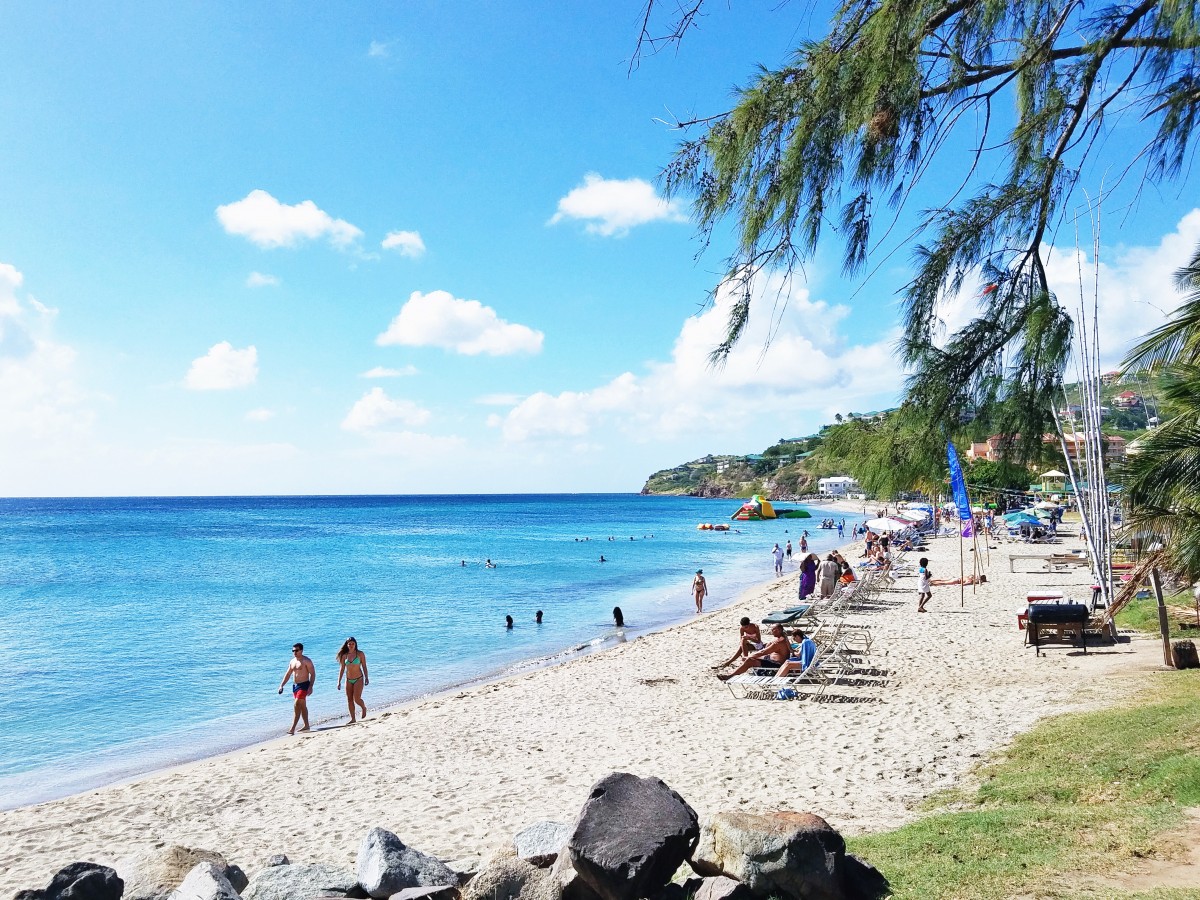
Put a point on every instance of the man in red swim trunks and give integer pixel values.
(304, 678)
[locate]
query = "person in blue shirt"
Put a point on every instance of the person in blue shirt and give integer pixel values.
(804, 651)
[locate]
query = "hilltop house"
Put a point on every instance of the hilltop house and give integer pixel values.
(993, 448)
(1127, 400)
(838, 486)
(1114, 450)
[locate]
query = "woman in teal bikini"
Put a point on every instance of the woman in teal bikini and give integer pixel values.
(354, 667)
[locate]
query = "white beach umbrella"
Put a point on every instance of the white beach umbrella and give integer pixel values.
(1046, 504)
(888, 524)
(912, 515)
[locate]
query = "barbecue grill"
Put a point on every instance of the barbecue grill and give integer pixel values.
(1058, 617)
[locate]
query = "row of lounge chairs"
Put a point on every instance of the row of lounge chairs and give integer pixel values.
(844, 649)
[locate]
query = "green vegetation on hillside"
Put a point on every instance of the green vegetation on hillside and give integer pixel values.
(1079, 796)
(893, 452)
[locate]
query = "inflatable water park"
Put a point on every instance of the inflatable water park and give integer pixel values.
(758, 508)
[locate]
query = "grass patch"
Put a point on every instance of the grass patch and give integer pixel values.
(1142, 615)
(1078, 795)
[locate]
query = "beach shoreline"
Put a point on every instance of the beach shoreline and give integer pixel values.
(456, 774)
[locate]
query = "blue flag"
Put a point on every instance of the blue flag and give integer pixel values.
(957, 486)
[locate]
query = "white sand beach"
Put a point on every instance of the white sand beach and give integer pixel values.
(458, 774)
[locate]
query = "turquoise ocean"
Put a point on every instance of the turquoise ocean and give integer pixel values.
(140, 633)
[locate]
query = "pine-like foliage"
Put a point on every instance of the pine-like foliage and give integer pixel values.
(854, 122)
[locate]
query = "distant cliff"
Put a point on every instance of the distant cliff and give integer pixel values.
(738, 477)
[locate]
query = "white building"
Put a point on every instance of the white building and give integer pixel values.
(838, 486)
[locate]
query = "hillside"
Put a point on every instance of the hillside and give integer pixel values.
(786, 469)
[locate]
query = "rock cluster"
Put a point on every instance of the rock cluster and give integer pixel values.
(634, 839)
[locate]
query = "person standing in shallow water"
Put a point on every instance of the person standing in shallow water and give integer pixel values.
(304, 678)
(353, 664)
(699, 590)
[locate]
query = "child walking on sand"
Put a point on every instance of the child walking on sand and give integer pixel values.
(924, 588)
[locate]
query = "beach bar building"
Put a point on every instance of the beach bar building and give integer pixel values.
(837, 486)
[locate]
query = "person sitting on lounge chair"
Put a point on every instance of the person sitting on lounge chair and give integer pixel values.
(772, 656)
(750, 640)
(804, 651)
(848, 576)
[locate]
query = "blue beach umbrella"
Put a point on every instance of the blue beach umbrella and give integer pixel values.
(1022, 518)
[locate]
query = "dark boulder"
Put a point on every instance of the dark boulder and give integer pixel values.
(79, 881)
(631, 836)
(862, 881)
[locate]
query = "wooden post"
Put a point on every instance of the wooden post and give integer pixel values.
(962, 588)
(1164, 625)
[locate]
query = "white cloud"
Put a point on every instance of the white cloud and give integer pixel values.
(43, 410)
(223, 368)
(611, 206)
(809, 366)
(1136, 286)
(438, 319)
(258, 279)
(376, 409)
(10, 280)
(406, 243)
(265, 221)
(384, 372)
(499, 399)
(432, 452)
(262, 414)
(380, 49)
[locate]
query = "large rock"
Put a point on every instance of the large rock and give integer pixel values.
(631, 836)
(79, 881)
(862, 881)
(571, 885)
(206, 881)
(721, 888)
(676, 890)
(509, 878)
(445, 892)
(791, 855)
(153, 874)
(541, 842)
(302, 883)
(386, 866)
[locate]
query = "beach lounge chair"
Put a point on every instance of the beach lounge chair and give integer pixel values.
(773, 687)
(792, 616)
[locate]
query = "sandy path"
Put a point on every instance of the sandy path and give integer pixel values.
(457, 775)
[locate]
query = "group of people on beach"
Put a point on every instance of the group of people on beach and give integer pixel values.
(352, 667)
(785, 655)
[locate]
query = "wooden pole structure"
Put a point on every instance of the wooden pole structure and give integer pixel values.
(1164, 625)
(962, 588)
(976, 563)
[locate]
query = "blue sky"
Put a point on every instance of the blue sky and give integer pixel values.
(215, 221)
